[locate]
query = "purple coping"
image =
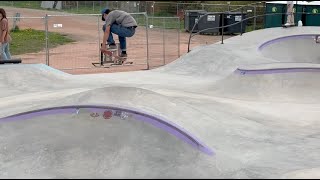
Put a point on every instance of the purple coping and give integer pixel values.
(280, 70)
(277, 70)
(138, 115)
(284, 38)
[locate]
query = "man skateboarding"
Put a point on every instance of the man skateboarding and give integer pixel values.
(120, 23)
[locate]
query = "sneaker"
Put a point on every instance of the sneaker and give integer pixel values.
(112, 46)
(289, 24)
(123, 55)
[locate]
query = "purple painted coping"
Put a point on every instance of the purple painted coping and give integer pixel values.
(285, 38)
(152, 119)
(276, 70)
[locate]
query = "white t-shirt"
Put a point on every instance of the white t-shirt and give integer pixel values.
(121, 18)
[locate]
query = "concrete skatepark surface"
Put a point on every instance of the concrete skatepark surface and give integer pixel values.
(234, 112)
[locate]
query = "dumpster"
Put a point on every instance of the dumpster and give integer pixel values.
(275, 20)
(209, 20)
(190, 18)
(232, 18)
(312, 19)
(300, 7)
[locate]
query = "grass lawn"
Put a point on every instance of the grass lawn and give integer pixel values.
(32, 41)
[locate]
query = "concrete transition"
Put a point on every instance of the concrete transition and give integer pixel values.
(248, 108)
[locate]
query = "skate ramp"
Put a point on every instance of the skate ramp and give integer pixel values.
(216, 61)
(213, 61)
(259, 115)
(134, 101)
(313, 173)
(64, 145)
(281, 82)
(97, 148)
(19, 79)
(295, 48)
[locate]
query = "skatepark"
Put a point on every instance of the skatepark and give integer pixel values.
(248, 108)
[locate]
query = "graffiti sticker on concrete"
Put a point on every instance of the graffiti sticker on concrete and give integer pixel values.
(107, 114)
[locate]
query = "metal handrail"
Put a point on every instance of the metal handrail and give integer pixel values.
(196, 23)
(271, 14)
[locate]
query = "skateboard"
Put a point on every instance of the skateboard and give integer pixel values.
(286, 26)
(10, 61)
(114, 60)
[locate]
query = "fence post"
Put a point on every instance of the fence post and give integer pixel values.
(179, 37)
(153, 9)
(222, 30)
(255, 18)
(145, 6)
(47, 39)
(241, 21)
(99, 42)
(164, 41)
(177, 9)
(147, 36)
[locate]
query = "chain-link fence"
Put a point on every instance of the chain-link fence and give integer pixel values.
(33, 49)
(152, 8)
(152, 45)
(164, 40)
(84, 30)
(156, 42)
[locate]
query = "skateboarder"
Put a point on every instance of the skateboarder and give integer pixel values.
(120, 23)
(290, 16)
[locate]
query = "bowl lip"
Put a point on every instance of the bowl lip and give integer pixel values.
(153, 119)
(272, 41)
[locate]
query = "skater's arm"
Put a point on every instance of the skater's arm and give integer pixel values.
(109, 20)
(4, 30)
(105, 37)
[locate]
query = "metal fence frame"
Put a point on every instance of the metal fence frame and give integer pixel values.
(143, 6)
(48, 16)
(147, 18)
(164, 27)
(153, 5)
